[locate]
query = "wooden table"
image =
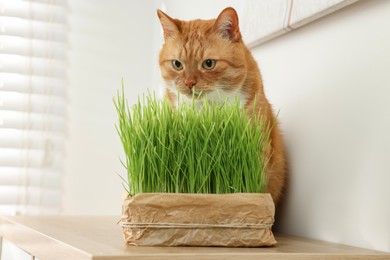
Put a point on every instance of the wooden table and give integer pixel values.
(74, 238)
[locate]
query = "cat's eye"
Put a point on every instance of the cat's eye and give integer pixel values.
(177, 65)
(209, 64)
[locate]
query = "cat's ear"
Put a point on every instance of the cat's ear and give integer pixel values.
(169, 25)
(227, 24)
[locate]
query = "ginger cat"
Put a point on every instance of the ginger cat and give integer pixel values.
(208, 59)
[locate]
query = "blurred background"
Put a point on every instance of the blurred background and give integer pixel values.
(62, 62)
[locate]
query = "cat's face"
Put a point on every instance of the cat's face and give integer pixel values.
(203, 57)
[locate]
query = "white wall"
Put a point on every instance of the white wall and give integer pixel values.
(108, 40)
(331, 82)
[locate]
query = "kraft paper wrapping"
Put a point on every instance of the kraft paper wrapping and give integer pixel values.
(168, 219)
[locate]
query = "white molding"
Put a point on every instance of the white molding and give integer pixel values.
(264, 20)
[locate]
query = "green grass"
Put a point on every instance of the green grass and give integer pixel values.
(191, 149)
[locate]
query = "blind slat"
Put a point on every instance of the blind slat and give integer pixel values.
(13, 176)
(32, 47)
(30, 121)
(22, 139)
(35, 196)
(14, 26)
(34, 11)
(30, 158)
(34, 103)
(32, 65)
(62, 3)
(32, 84)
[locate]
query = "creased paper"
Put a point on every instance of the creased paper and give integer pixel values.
(169, 219)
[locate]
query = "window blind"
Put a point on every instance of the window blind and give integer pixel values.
(32, 105)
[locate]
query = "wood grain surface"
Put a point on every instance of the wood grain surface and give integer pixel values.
(95, 237)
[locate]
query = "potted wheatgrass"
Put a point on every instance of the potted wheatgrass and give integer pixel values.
(195, 174)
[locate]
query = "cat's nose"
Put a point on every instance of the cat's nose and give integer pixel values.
(190, 83)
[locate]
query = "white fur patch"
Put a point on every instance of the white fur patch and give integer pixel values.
(217, 96)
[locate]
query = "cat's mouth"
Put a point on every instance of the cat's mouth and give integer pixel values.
(196, 93)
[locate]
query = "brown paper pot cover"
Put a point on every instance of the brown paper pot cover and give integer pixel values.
(169, 219)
